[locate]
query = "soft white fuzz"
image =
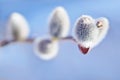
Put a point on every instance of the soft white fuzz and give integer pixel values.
(86, 31)
(59, 23)
(45, 48)
(103, 30)
(18, 28)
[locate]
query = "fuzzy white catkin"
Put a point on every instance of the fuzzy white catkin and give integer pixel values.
(45, 48)
(17, 28)
(102, 30)
(59, 23)
(85, 31)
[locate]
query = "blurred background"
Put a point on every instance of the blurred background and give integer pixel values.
(18, 61)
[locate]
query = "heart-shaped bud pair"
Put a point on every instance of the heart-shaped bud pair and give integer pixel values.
(89, 32)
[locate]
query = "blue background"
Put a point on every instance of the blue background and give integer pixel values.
(18, 61)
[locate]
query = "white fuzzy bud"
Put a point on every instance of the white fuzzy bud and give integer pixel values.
(18, 28)
(86, 31)
(46, 49)
(59, 23)
(103, 26)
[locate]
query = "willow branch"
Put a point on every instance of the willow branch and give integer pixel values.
(69, 38)
(31, 40)
(5, 42)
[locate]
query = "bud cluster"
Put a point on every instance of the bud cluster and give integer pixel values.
(88, 32)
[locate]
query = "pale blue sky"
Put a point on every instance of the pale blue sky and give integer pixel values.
(18, 61)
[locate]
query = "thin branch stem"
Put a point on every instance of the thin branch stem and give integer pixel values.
(30, 40)
(69, 38)
(5, 42)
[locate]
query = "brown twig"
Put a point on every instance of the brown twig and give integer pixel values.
(5, 42)
(69, 38)
(30, 40)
